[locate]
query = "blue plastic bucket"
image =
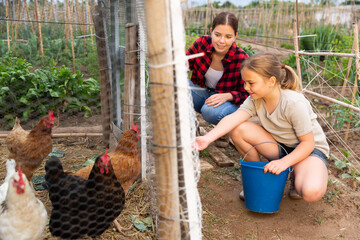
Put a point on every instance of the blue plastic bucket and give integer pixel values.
(263, 191)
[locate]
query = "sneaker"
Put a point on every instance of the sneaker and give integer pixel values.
(292, 190)
(242, 196)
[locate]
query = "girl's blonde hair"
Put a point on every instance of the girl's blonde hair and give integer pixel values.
(268, 65)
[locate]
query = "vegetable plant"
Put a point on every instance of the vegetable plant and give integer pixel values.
(25, 92)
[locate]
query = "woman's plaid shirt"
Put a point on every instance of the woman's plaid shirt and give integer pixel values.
(231, 79)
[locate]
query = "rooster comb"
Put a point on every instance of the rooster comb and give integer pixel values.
(135, 128)
(105, 158)
(51, 115)
(21, 180)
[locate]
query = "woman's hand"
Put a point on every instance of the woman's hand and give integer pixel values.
(218, 99)
(276, 166)
(201, 143)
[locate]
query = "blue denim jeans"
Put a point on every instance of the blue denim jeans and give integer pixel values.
(209, 113)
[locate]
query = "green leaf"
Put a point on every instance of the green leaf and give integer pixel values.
(4, 90)
(56, 152)
(27, 113)
(346, 153)
(345, 175)
(9, 116)
(340, 164)
(141, 224)
(33, 92)
(24, 100)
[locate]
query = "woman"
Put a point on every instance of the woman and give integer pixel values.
(216, 85)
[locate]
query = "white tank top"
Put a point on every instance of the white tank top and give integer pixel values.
(212, 77)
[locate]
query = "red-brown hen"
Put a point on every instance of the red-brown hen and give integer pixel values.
(29, 148)
(125, 159)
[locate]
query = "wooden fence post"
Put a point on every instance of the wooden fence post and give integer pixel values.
(163, 117)
(105, 69)
(130, 75)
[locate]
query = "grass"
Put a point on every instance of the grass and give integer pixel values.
(331, 196)
(318, 220)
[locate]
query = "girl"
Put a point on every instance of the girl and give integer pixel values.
(217, 87)
(286, 118)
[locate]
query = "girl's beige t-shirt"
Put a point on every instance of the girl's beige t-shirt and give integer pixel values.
(292, 117)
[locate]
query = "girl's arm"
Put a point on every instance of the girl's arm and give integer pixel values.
(303, 150)
(226, 124)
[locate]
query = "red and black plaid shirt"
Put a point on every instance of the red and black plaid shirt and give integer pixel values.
(231, 79)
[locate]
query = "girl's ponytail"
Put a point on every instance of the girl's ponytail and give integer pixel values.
(290, 80)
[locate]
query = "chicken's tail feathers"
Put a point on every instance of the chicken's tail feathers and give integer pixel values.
(10, 167)
(17, 122)
(53, 168)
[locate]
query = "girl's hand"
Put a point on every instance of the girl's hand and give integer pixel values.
(218, 99)
(201, 143)
(276, 166)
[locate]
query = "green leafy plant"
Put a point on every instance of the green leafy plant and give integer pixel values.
(287, 45)
(248, 49)
(24, 93)
(340, 115)
(341, 164)
(344, 163)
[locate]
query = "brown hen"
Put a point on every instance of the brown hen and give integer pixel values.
(29, 148)
(125, 159)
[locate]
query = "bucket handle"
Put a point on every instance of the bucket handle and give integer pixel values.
(242, 159)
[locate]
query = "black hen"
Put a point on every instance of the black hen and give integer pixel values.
(83, 207)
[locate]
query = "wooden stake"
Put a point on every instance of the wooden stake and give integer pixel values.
(67, 19)
(51, 11)
(296, 45)
(18, 13)
(40, 41)
(82, 15)
(28, 17)
(357, 64)
(348, 71)
(71, 38)
(89, 20)
(7, 23)
(207, 14)
(163, 117)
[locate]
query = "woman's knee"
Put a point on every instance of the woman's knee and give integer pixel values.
(210, 114)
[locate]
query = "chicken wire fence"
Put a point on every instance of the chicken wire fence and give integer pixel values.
(89, 60)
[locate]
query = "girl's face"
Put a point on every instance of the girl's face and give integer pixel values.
(222, 38)
(255, 84)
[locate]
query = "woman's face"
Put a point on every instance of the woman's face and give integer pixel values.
(222, 38)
